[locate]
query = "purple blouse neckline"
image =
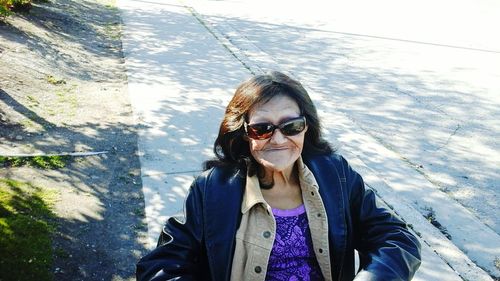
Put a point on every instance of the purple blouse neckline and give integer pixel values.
(290, 212)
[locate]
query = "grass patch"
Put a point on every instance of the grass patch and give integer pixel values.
(54, 81)
(42, 162)
(112, 30)
(66, 96)
(26, 225)
(33, 101)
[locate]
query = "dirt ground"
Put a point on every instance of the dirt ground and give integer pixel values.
(63, 90)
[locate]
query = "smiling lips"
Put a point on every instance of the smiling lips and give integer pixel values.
(276, 149)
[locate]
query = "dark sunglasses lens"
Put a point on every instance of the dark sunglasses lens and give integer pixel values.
(293, 127)
(260, 131)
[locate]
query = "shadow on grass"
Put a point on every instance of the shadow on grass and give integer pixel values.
(100, 239)
(26, 226)
(87, 26)
(23, 110)
(99, 223)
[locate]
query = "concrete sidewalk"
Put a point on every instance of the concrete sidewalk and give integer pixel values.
(180, 79)
(182, 71)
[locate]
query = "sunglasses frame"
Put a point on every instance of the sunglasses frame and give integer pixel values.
(274, 127)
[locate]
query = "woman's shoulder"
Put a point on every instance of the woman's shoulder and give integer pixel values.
(221, 175)
(220, 185)
(325, 159)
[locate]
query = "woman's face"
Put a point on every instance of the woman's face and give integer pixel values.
(279, 152)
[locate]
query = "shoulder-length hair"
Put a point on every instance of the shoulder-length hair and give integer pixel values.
(231, 146)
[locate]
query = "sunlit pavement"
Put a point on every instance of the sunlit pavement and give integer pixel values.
(410, 96)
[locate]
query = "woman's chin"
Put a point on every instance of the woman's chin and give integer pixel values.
(276, 166)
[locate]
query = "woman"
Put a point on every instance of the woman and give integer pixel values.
(279, 204)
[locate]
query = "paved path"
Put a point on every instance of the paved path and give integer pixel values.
(426, 85)
(180, 78)
(184, 63)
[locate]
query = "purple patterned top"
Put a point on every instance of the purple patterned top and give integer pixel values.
(292, 257)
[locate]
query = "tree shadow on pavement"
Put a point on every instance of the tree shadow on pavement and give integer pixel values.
(420, 113)
(436, 114)
(424, 110)
(435, 106)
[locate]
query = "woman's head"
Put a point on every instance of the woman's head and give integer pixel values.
(275, 133)
(233, 146)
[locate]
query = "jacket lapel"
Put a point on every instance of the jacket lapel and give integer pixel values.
(327, 172)
(222, 202)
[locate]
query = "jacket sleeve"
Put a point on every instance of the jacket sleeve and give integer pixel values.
(387, 250)
(180, 252)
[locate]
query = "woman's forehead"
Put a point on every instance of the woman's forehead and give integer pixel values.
(275, 109)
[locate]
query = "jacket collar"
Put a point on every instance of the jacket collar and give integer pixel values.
(253, 195)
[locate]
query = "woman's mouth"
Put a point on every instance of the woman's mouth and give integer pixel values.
(276, 149)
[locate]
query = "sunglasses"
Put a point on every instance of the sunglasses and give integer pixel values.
(262, 131)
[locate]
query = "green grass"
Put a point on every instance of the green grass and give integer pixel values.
(68, 100)
(33, 100)
(4, 11)
(54, 81)
(26, 225)
(42, 162)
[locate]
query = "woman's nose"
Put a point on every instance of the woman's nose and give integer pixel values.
(278, 137)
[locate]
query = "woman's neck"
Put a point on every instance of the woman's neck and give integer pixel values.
(287, 177)
(285, 192)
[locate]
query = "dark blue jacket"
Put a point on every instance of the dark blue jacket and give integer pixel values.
(201, 246)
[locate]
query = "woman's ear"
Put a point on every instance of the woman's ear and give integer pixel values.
(243, 129)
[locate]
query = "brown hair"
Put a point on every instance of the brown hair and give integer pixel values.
(232, 148)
